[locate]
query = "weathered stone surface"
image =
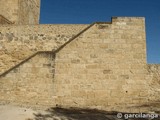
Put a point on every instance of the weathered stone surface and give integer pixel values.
(21, 11)
(21, 83)
(104, 67)
(112, 69)
(3, 20)
(154, 79)
(19, 42)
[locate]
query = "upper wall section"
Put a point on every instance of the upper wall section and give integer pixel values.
(21, 11)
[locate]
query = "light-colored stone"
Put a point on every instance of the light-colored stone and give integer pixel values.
(104, 67)
(21, 11)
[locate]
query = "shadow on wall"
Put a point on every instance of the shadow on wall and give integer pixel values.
(78, 114)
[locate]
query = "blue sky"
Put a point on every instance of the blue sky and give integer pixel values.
(89, 11)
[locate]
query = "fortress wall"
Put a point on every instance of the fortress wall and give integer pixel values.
(104, 68)
(18, 42)
(31, 83)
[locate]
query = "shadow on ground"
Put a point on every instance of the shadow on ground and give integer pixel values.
(79, 114)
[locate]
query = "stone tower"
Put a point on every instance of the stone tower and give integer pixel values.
(20, 11)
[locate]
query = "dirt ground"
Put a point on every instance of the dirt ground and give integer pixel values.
(10, 112)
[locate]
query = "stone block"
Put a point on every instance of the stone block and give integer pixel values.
(117, 94)
(79, 94)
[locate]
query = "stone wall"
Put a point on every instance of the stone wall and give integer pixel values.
(154, 82)
(18, 42)
(29, 11)
(21, 11)
(30, 83)
(9, 9)
(104, 68)
(3, 20)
